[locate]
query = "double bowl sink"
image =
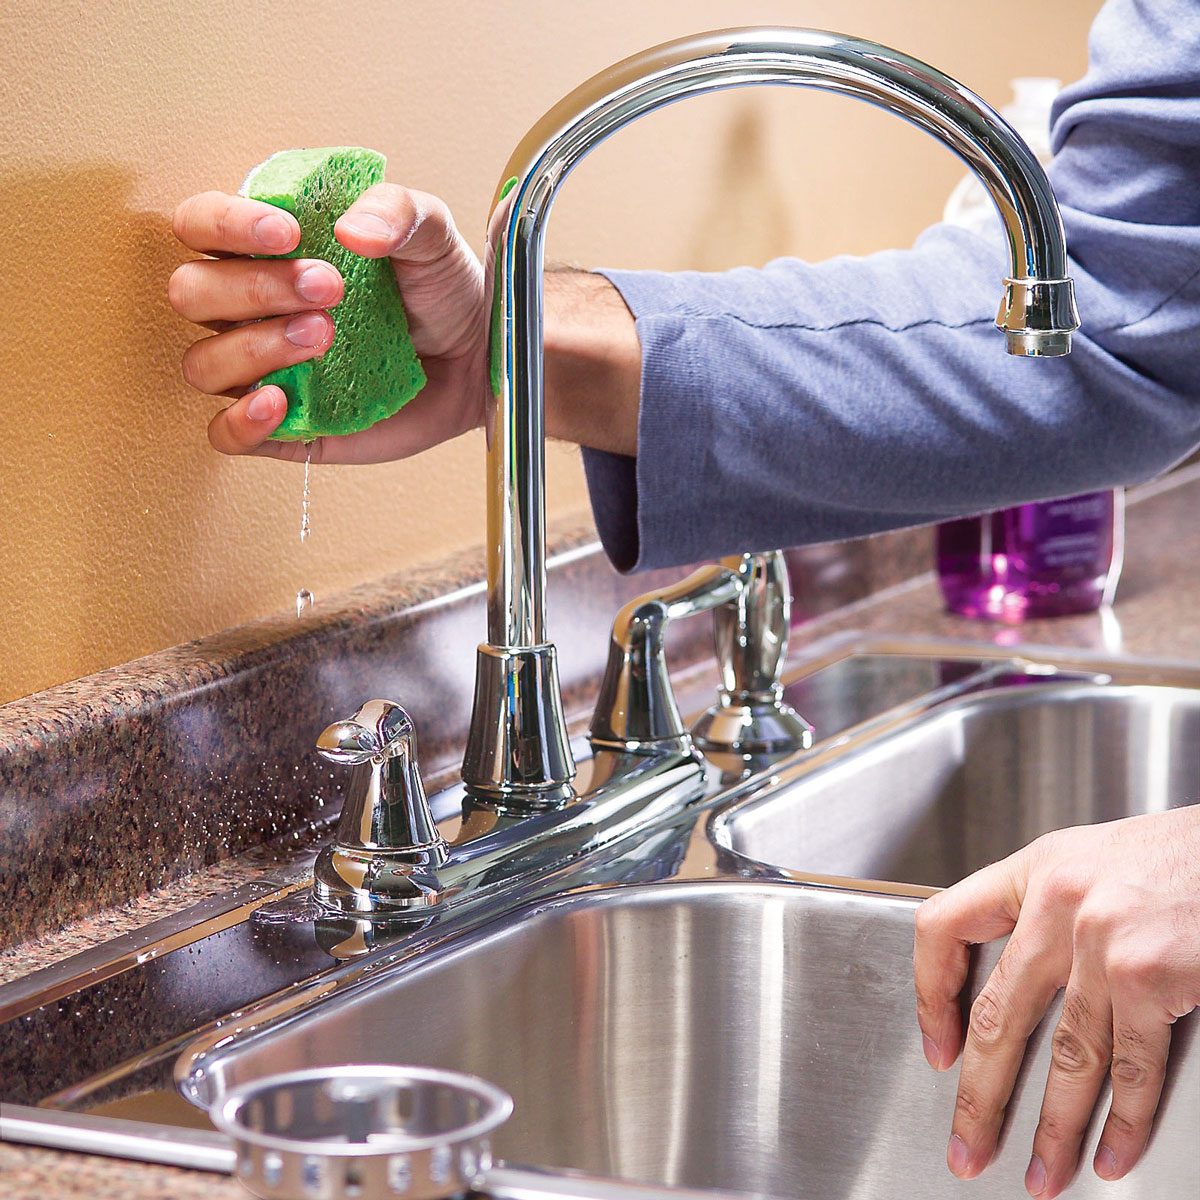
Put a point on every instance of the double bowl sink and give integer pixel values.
(746, 1022)
(729, 1004)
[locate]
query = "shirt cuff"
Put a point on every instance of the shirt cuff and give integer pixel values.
(674, 439)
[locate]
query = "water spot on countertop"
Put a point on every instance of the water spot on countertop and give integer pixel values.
(298, 908)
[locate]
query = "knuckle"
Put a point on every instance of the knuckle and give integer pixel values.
(264, 346)
(181, 287)
(201, 216)
(181, 220)
(928, 917)
(1133, 968)
(1062, 886)
(990, 1024)
(970, 1106)
(1099, 916)
(438, 220)
(261, 294)
(192, 366)
(1129, 1072)
(1123, 1126)
(221, 225)
(394, 201)
(927, 1008)
(1044, 847)
(1073, 1054)
(1055, 1128)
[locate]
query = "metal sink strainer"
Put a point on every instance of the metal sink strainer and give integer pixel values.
(362, 1132)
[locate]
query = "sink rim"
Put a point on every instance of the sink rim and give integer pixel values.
(830, 758)
(704, 859)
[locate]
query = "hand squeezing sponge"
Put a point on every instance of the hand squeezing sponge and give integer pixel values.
(371, 370)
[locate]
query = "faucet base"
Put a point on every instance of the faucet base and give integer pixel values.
(371, 882)
(753, 726)
(518, 755)
(496, 849)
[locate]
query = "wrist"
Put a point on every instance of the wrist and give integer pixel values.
(593, 363)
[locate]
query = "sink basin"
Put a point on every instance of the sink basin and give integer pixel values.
(719, 1000)
(975, 780)
(751, 1037)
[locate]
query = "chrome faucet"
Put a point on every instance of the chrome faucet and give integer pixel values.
(523, 812)
(517, 751)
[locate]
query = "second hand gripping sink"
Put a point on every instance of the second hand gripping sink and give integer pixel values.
(752, 1038)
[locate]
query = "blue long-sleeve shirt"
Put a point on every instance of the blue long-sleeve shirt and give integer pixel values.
(811, 402)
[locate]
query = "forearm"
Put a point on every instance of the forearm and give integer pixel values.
(593, 363)
(829, 401)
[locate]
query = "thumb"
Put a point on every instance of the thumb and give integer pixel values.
(391, 220)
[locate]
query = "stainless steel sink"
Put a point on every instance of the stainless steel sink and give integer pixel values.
(975, 780)
(753, 1037)
(721, 1000)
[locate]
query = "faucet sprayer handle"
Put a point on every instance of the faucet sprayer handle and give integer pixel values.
(385, 854)
(636, 709)
(751, 637)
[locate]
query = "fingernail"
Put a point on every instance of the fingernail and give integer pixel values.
(932, 1054)
(306, 331)
(1035, 1176)
(315, 284)
(1105, 1163)
(957, 1155)
(273, 232)
(261, 406)
(367, 224)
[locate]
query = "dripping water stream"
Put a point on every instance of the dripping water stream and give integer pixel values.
(306, 498)
(305, 598)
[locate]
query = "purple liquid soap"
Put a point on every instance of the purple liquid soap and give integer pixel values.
(1037, 560)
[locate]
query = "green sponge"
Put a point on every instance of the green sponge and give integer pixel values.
(371, 370)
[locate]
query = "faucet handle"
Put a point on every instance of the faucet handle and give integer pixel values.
(751, 636)
(376, 730)
(636, 710)
(387, 849)
(750, 600)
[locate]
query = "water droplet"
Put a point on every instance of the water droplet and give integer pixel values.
(298, 908)
(304, 601)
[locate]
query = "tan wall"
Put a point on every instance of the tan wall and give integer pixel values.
(120, 531)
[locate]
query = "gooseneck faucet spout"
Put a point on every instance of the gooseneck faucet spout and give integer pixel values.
(517, 752)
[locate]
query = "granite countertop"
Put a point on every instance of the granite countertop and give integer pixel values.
(1156, 617)
(27, 1173)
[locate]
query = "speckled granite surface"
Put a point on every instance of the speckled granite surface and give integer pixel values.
(31, 1174)
(114, 785)
(108, 923)
(1156, 617)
